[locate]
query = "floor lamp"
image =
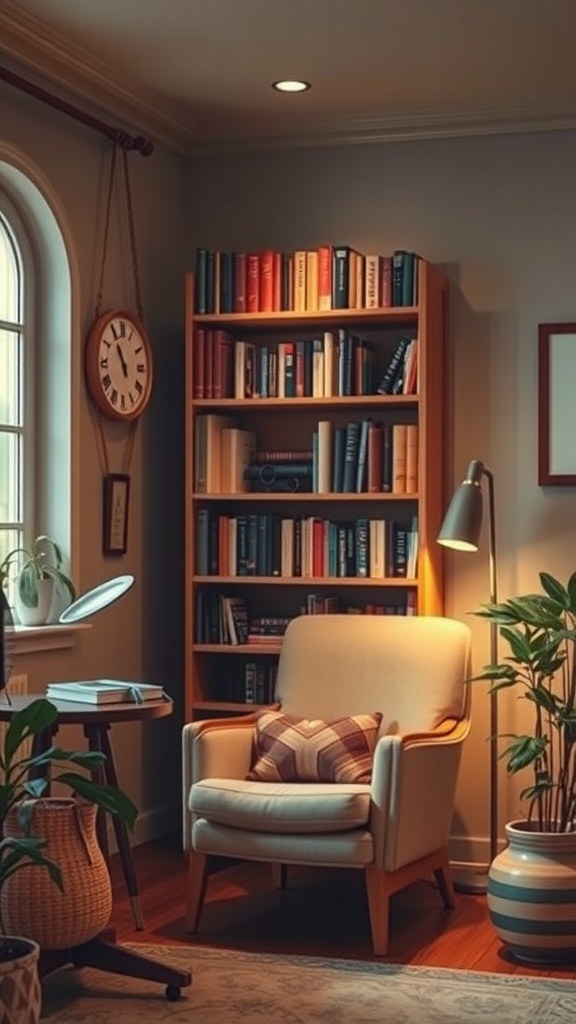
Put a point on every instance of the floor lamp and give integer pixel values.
(461, 531)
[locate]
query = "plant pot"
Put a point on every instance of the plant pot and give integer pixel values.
(38, 615)
(33, 905)
(532, 894)
(20, 993)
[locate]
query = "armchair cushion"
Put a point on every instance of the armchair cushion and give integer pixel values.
(291, 808)
(292, 749)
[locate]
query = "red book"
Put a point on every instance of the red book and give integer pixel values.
(240, 282)
(324, 277)
(277, 280)
(317, 547)
(266, 281)
(208, 365)
(222, 365)
(253, 283)
(198, 363)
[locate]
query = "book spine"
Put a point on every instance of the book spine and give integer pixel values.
(240, 282)
(411, 458)
(201, 292)
(311, 280)
(198, 362)
(373, 282)
(324, 277)
(362, 456)
(399, 452)
(350, 457)
(393, 369)
(253, 283)
(299, 299)
(374, 473)
(340, 276)
(266, 281)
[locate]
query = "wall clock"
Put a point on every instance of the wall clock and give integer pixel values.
(118, 363)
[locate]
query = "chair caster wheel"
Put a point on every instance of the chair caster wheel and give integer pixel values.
(173, 993)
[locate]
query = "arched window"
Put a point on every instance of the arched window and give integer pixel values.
(38, 367)
(16, 380)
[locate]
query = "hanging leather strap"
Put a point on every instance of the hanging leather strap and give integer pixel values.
(132, 232)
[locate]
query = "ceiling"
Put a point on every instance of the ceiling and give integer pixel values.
(197, 73)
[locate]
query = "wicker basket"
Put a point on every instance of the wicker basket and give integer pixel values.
(32, 904)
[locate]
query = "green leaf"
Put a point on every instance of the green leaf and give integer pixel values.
(107, 797)
(29, 721)
(554, 589)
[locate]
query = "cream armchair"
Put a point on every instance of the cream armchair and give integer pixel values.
(395, 827)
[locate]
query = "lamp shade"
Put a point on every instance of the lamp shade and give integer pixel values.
(463, 519)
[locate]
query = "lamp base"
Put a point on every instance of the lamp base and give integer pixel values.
(474, 883)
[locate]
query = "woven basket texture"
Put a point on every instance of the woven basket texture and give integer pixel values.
(33, 905)
(20, 993)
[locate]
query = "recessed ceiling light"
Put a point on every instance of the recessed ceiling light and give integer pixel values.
(289, 85)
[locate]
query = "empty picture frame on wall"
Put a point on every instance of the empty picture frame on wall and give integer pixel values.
(557, 404)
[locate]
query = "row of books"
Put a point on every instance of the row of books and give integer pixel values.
(363, 456)
(267, 544)
(212, 616)
(334, 364)
(250, 682)
(306, 280)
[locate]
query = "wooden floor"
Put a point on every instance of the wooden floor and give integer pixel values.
(321, 913)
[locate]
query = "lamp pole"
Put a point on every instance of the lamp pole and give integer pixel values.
(461, 530)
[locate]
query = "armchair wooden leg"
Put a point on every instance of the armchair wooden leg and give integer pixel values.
(378, 892)
(443, 877)
(279, 875)
(196, 889)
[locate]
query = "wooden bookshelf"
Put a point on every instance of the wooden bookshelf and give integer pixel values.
(214, 671)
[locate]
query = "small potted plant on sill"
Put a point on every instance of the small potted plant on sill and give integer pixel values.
(531, 882)
(38, 572)
(23, 847)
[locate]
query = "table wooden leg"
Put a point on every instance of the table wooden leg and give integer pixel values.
(98, 739)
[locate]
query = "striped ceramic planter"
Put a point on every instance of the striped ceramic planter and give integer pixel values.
(532, 894)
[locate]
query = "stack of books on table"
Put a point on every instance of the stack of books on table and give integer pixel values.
(105, 691)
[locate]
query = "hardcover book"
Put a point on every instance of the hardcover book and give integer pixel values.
(104, 691)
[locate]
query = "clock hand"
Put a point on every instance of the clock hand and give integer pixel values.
(122, 360)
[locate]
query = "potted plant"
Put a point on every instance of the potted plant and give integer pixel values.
(531, 892)
(38, 572)
(19, 847)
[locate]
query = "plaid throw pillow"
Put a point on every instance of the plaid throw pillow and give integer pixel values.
(290, 749)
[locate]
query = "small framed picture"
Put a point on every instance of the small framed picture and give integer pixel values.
(557, 404)
(116, 495)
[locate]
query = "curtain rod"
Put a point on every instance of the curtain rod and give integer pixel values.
(117, 135)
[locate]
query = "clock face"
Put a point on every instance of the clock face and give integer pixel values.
(119, 365)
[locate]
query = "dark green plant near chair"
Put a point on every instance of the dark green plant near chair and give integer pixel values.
(16, 786)
(540, 630)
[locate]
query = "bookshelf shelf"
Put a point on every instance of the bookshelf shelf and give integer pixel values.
(303, 496)
(339, 317)
(231, 678)
(296, 405)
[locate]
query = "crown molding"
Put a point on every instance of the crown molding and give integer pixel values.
(28, 41)
(395, 128)
(33, 44)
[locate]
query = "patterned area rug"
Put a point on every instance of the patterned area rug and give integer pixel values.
(247, 988)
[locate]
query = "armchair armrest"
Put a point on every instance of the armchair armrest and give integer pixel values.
(413, 785)
(214, 748)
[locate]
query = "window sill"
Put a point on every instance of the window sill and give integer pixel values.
(34, 639)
